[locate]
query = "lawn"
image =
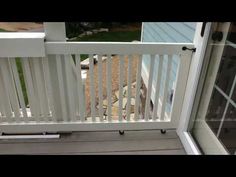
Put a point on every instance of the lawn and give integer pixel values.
(113, 36)
(20, 71)
(2, 30)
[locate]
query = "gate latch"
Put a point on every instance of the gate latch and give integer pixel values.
(186, 48)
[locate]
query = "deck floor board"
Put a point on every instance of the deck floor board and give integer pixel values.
(104, 143)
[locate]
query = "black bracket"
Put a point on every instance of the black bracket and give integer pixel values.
(186, 48)
(203, 28)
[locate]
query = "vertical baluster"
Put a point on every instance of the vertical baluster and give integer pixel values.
(129, 88)
(68, 72)
(149, 89)
(169, 63)
(45, 90)
(12, 90)
(158, 86)
(48, 86)
(74, 86)
(39, 83)
(92, 90)
(5, 93)
(19, 88)
(100, 84)
(2, 109)
(30, 89)
(137, 92)
(109, 88)
(80, 91)
(121, 81)
(61, 88)
(5, 105)
(33, 67)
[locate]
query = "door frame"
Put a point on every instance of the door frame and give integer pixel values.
(205, 88)
(200, 42)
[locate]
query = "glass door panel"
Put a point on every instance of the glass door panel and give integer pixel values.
(215, 124)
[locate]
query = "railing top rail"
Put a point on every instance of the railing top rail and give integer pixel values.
(114, 48)
(22, 44)
(21, 35)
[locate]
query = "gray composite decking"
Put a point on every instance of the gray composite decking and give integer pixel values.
(94, 143)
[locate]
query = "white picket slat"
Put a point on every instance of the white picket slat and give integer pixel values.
(121, 82)
(80, 89)
(44, 89)
(109, 88)
(2, 109)
(137, 91)
(39, 83)
(158, 86)
(12, 90)
(168, 71)
(4, 93)
(61, 88)
(75, 86)
(19, 88)
(149, 89)
(48, 88)
(32, 68)
(70, 96)
(92, 90)
(100, 88)
(2, 101)
(129, 79)
(6, 86)
(30, 89)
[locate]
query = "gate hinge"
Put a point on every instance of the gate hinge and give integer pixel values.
(186, 48)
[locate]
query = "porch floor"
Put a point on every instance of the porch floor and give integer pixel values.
(85, 143)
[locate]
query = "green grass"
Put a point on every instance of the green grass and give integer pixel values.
(21, 76)
(2, 30)
(113, 36)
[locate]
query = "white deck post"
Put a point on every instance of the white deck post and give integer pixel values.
(55, 31)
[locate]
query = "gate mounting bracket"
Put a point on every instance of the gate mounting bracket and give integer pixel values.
(186, 48)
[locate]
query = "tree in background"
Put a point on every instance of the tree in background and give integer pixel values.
(73, 29)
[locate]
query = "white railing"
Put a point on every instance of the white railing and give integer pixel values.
(56, 95)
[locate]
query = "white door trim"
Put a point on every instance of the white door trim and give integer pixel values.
(203, 133)
(189, 144)
(194, 75)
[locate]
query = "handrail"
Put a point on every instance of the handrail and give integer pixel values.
(22, 44)
(114, 48)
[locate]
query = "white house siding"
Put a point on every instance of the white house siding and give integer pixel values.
(176, 32)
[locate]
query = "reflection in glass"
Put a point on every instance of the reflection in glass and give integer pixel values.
(227, 70)
(234, 95)
(228, 130)
(215, 110)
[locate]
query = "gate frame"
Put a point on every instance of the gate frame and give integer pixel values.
(55, 32)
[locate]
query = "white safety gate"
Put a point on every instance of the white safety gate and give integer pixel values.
(46, 93)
